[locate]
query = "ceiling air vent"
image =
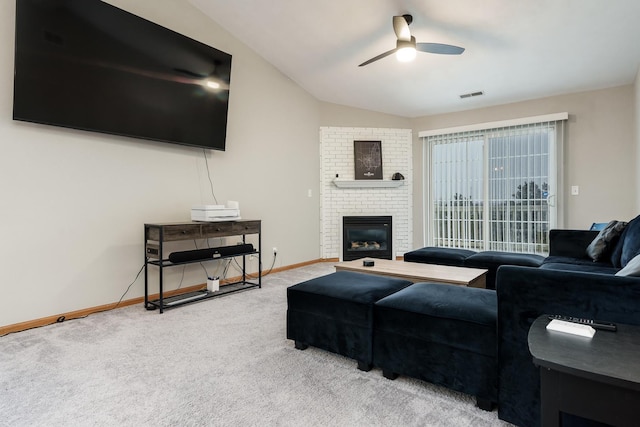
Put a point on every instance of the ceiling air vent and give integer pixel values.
(471, 94)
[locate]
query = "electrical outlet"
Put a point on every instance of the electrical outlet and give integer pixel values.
(275, 250)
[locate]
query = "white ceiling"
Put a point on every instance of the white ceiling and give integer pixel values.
(515, 49)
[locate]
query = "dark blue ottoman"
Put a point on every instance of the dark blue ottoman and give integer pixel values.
(492, 260)
(444, 334)
(335, 312)
(442, 256)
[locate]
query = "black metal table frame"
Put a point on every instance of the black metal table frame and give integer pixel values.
(161, 233)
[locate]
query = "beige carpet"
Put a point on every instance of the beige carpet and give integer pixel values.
(221, 362)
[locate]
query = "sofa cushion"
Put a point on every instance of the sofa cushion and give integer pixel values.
(495, 258)
(575, 261)
(628, 245)
(594, 267)
(491, 260)
(570, 243)
(600, 248)
(631, 245)
(443, 256)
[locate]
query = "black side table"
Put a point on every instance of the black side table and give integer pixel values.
(596, 378)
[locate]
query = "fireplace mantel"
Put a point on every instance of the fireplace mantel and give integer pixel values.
(367, 183)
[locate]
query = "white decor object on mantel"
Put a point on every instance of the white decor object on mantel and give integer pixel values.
(367, 183)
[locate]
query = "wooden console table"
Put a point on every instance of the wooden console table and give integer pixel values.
(596, 378)
(157, 235)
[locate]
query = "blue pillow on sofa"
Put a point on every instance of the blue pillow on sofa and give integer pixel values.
(629, 244)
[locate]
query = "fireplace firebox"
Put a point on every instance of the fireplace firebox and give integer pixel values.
(366, 237)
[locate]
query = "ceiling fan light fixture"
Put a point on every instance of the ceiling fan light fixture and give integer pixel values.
(406, 50)
(406, 54)
(406, 46)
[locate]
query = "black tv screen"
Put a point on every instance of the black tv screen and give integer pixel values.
(85, 64)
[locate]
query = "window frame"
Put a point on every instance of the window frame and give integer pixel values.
(555, 165)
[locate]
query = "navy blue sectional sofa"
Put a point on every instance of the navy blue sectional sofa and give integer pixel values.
(567, 282)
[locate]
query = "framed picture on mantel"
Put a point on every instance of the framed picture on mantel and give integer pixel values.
(368, 159)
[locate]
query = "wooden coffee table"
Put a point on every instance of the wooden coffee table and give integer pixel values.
(418, 272)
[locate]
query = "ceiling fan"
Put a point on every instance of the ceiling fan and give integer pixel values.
(406, 45)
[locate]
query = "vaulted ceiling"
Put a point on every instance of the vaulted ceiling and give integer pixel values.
(515, 50)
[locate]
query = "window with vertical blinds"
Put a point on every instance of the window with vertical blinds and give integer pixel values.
(493, 188)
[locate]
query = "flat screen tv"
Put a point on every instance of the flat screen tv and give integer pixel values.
(85, 64)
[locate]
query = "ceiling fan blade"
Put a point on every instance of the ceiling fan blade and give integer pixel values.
(382, 55)
(401, 27)
(443, 49)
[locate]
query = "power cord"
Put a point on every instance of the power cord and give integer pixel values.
(181, 278)
(239, 268)
(126, 291)
(62, 319)
(204, 152)
(195, 242)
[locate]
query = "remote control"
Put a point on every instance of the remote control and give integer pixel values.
(596, 324)
(571, 328)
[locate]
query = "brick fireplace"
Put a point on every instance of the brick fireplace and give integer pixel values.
(343, 196)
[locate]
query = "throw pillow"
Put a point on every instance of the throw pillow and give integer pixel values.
(632, 268)
(601, 245)
(631, 242)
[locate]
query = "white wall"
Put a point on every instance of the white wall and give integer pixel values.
(599, 155)
(341, 116)
(74, 203)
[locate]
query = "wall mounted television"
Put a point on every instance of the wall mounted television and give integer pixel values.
(85, 64)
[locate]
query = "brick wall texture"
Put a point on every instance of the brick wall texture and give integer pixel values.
(337, 158)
